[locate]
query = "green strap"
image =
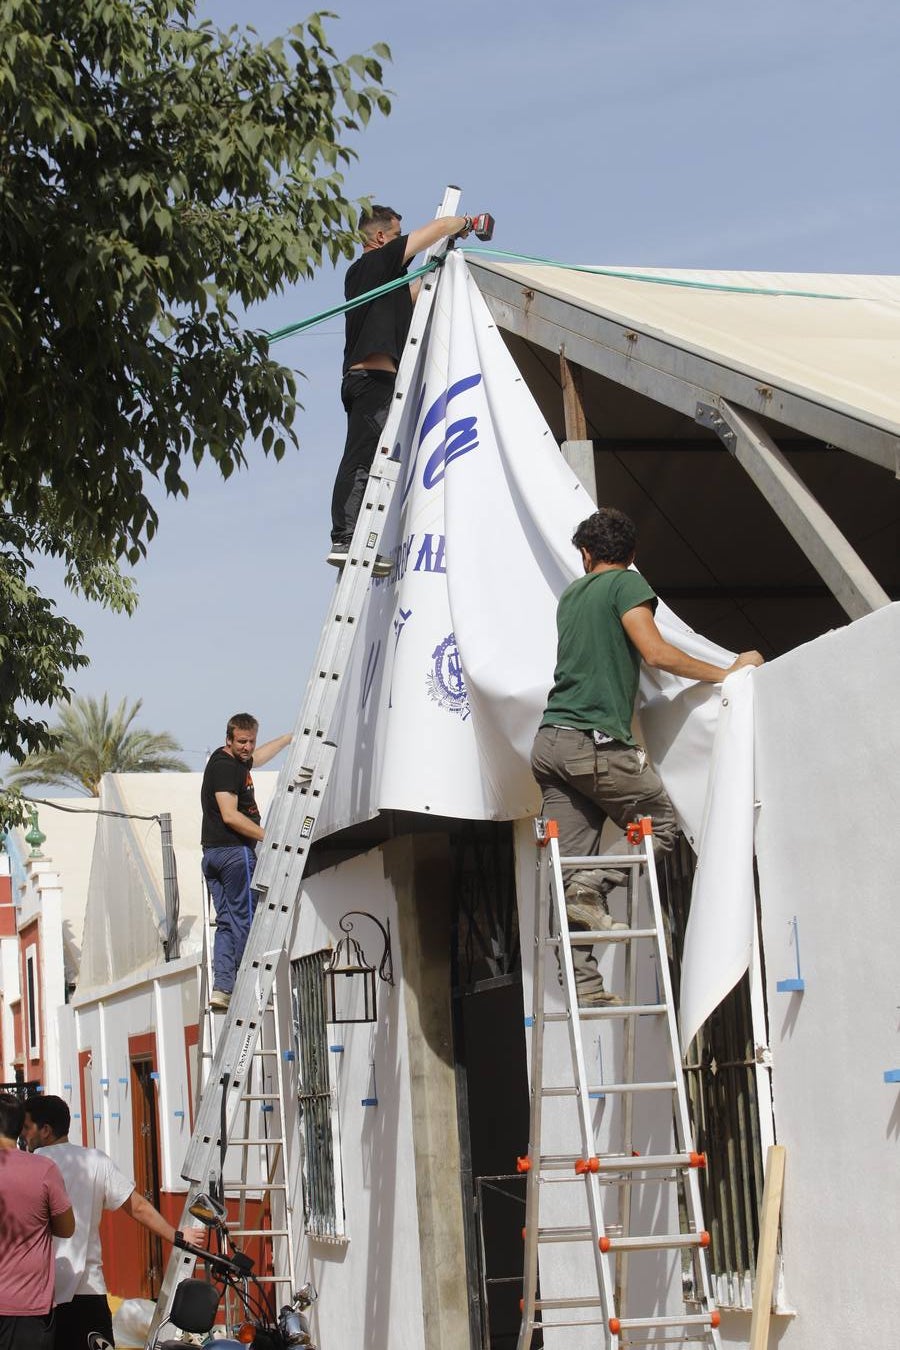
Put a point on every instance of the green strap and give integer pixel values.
(389, 286)
(653, 281)
(364, 299)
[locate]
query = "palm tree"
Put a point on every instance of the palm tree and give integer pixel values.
(91, 742)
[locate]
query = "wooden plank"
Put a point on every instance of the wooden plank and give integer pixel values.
(573, 398)
(767, 1252)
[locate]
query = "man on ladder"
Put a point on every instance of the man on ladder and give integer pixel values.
(376, 335)
(585, 758)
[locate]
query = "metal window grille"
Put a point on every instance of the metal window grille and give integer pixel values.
(721, 1080)
(318, 1116)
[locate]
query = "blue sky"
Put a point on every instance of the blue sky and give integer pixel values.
(650, 133)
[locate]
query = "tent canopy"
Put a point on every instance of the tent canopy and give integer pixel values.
(814, 360)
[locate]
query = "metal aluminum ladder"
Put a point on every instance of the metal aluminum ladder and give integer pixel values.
(291, 821)
(267, 1114)
(609, 1179)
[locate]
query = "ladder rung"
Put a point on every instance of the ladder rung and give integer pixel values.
(272, 1279)
(271, 1142)
(258, 1232)
(255, 1186)
(583, 936)
(611, 1010)
(601, 861)
(259, 1097)
(617, 1162)
(687, 1320)
(602, 1088)
(653, 1242)
(587, 1302)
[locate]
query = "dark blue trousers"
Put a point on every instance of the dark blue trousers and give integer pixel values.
(229, 872)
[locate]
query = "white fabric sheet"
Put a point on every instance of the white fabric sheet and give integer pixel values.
(449, 676)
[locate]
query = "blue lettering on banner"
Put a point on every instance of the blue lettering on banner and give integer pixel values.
(429, 558)
(460, 438)
(399, 625)
(446, 685)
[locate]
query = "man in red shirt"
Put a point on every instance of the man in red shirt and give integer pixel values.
(34, 1208)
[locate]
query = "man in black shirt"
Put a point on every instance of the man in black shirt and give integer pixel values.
(376, 334)
(229, 835)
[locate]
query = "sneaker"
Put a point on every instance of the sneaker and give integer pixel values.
(338, 555)
(598, 998)
(382, 566)
(594, 918)
(219, 1000)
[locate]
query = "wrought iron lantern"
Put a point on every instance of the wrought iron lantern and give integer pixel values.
(350, 980)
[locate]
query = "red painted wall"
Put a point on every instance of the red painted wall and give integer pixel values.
(122, 1248)
(7, 909)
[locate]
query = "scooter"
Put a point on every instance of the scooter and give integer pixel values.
(195, 1304)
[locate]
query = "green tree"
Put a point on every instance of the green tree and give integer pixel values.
(90, 741)
(153, 172)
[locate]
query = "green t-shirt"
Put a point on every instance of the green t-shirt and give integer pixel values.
(597, 666)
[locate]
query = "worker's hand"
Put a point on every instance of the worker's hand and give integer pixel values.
(196, 1235)
(466, 229)
(747, 659)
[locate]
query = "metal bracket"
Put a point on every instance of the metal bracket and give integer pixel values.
(707, 415)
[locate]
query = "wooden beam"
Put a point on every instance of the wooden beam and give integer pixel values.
(830, 552)
(573, 398)
(767, 1252)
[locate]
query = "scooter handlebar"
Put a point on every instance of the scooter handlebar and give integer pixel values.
(240, 1265)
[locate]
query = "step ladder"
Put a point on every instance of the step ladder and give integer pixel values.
(260, 1189)
(291, 820)
(615, 1181)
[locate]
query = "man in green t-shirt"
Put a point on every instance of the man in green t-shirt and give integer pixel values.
(585, 758)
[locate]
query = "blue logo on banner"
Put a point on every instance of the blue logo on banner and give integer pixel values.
(446, 685)
(460, 438)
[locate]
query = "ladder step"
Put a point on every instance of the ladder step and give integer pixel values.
(710, 1319)
(258, 1232)
(582, 937)
(603, 1088)
(599, 862)
(241, 1187)
(612, 1162)
(611, 1010)
(263, 1142)
(653, 1242)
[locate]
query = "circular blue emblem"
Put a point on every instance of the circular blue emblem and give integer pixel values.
(446, 685)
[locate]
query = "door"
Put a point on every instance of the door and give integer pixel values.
(145, 1130)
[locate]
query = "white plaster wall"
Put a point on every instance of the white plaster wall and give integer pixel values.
(828, 844)
(370, 1291)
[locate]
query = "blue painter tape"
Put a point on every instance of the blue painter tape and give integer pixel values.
(289, 1056)
(892, 1075)
(369, 1101)
(529, 1021)
(336, 1049)
(179, 1115)
(794, 986)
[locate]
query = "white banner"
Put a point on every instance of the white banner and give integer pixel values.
(451, 671)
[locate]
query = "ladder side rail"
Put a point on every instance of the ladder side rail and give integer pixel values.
(682, 1115)
(628, 1076)
(595, 1207)
(533, 1177)
(339, 629)
(286, 1260)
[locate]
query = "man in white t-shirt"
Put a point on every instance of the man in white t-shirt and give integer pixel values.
(94, 1183)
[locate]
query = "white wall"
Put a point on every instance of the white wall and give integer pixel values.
(370, 1291)
(828, 844)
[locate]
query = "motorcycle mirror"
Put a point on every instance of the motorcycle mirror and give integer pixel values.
(307, 1295)
(207, 1210)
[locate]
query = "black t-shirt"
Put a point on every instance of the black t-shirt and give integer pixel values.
(382, 324)
(224, 773)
